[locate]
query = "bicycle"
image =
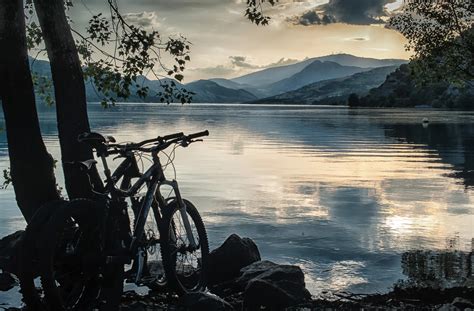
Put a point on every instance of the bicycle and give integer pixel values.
(87, 243)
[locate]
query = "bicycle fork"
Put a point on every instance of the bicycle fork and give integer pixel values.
(184, 216)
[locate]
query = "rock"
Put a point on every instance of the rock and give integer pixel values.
(8, 250)
(226, 261)
(7, 281)
(462, 303)
(263, 293)
(204, 301)
(272, 285)
(253, 270)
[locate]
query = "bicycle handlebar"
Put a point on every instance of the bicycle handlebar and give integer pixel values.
(163, 142)
(198, 134)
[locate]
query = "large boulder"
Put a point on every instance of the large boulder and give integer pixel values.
(271, 285)
(226, 261)
(204, 301)
(8, 251)
(254, 270)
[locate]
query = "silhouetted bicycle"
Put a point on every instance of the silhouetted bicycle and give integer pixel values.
(87, 243)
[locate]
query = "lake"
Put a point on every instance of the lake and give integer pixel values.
(342, 193)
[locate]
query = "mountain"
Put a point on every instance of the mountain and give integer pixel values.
(272, 75)
(275, 74)
(400, 90)
(335, 91)
(205, 91)
(210, 92)
(41, 67)
(229, 83)
(259, 92)
(314, 72)
(351, 60)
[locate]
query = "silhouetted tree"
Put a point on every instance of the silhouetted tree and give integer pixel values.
(441, 36)
(31, 166)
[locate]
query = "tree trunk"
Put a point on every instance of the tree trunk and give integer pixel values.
(31, 166)
(70, 95)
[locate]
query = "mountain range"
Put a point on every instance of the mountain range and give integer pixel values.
(271, 82)
(333, 91)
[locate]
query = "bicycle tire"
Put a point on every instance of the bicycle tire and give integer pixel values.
(27, 255)
(88, 214)
(169, 249)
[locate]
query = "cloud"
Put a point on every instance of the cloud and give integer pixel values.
(216, 71)
(241, 61)
(312, 17)
(236, 66)
(283, 62)
(360, 12)
(144, 19)
(357, 39)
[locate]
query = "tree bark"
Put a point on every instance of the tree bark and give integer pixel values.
(70, 95)
(31, 166)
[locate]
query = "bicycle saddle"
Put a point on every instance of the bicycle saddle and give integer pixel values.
(94, 139)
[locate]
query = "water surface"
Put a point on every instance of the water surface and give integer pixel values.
(342, 193)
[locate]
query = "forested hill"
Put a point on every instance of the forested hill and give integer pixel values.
(400, 90)
(331, 92)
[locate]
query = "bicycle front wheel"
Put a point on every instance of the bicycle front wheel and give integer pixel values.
(185, 264)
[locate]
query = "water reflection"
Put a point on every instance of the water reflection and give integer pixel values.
(453, 142)
(439, 269)
(343, 193)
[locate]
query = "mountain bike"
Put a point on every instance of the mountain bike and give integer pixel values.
(87, 243)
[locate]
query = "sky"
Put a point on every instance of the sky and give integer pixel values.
(226, 45)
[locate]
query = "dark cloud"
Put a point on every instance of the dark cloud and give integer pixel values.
(241, 61)
(312, 18)
(360, 12)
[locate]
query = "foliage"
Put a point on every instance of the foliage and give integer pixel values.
(401, 90)
(441, 35)
(43, 87)
(136, 52)
(254, 11)
(116, 54)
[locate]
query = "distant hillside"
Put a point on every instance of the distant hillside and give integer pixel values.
(272, 75)
(275, 74)
(314, 72)
(261, 84)
(351, 60)
(258, 92)
(400, 90)
(206, 91)
(211, 92)
(335, 91)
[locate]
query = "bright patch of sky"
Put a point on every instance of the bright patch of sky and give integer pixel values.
(225, 44)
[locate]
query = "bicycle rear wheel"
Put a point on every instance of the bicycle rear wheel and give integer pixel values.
(27, 255)
(185, 266)
(70, 258)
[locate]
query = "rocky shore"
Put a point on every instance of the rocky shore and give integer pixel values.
(240, 280)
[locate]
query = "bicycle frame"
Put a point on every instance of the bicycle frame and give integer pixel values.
(154, 178)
